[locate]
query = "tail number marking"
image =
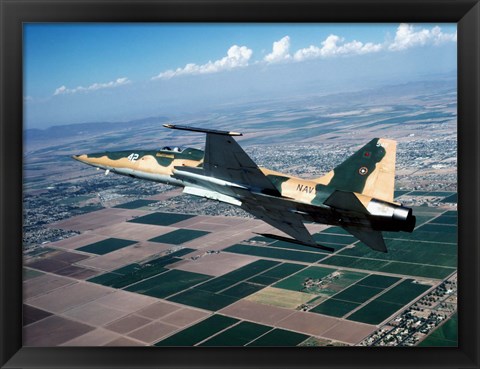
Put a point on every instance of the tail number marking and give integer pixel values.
(132, 157)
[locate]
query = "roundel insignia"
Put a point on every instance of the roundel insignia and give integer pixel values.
(363, 171)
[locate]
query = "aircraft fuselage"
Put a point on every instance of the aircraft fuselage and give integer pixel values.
(165, 166)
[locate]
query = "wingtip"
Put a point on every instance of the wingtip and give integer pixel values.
(202, 130)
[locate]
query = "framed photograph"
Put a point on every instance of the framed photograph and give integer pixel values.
(239, 184)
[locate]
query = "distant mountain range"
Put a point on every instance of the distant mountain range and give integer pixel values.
(93, 128)
(299, 106)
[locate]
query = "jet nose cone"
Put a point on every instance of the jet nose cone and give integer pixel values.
(81, 157)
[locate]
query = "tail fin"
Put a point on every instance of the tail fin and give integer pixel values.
(370, 171)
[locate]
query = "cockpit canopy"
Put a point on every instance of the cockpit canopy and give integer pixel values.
(173, 148)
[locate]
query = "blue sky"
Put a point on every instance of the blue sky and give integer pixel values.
(107, 72)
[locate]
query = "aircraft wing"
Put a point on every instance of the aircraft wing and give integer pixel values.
(226, 160)
(280, 213)
(285, 221)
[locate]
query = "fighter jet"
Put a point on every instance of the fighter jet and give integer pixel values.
(357, 195)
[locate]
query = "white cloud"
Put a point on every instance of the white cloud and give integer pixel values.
(280, 51)
(93, 87)
(408, 36)
(335, 46)
(237, 56)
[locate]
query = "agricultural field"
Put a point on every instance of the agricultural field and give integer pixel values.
(177, 284)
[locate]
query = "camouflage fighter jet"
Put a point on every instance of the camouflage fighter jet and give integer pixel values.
(357, 195)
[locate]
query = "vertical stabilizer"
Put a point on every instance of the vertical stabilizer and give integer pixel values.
(370, 171)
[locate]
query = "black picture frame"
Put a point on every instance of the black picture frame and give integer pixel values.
(466, 13)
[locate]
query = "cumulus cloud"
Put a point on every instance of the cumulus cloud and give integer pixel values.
(334, 45)
(280, 51)
(237, 57)
(93, 87)
(408, 36)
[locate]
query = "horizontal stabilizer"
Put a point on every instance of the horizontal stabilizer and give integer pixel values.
(345, 201)
(287, 239)
(203, 130)
(369, 237)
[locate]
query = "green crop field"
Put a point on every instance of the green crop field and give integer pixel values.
(336, 308)
(199, 331)
(179, 236)
(451, 199)
(419, 235)
(168, 283)
(263, 280)
(238, 335)
(386, 304)
(428, 271)
(445, 219)
(335, 230)
(451, 213)
(408, 256)
(404, 292)
(226, 281)
(421, 219)
(353, 262)
(216, 284)
(250, 270)
(162, 219)
(294, 246)
(408, 251)
(389, 267)
(357, 293)
(106, 246)
(400, 193)
(219, 292)
(379, 281)
(242, 290)
(133, 273)
(203, 299)
(279, 337)
(352, 297)
(279, 272)
(283, 270)
(438, 228)
(119, 280)
(333, 238)
(135, 204)
(275, 253)
(374, 312)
